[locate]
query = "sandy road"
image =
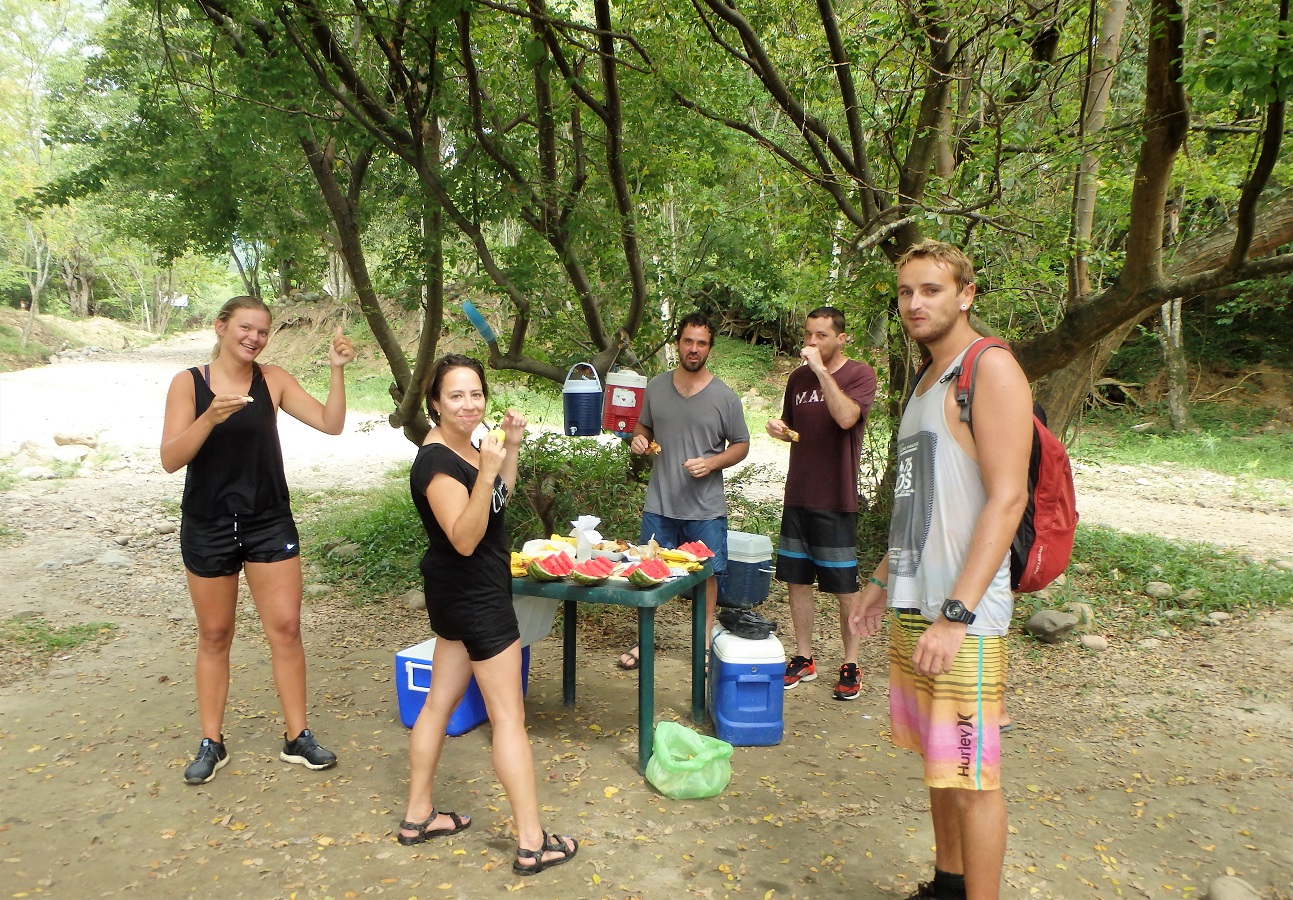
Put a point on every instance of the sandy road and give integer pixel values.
(119, 398)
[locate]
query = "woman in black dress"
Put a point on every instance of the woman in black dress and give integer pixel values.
(461, 491)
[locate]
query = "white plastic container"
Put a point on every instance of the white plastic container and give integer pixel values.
(534, 615)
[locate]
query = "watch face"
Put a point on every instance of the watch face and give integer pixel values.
(955, 611)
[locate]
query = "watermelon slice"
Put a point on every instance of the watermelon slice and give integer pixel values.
(647, 574)
(593, 571)
(697, 549)
(552, 567)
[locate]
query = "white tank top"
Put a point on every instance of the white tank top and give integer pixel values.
(938, 496)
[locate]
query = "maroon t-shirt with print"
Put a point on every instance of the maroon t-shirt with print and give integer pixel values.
(824, 462)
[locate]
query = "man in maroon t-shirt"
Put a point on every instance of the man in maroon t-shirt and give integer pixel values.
(823, 416)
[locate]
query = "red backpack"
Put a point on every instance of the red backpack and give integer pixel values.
(1043, 542)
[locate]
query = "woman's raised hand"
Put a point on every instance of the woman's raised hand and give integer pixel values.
(341, 351)
(513, 426)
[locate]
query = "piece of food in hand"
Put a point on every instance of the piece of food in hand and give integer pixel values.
(653, 448)
(248, 398)
(499, 435)
(792, 435)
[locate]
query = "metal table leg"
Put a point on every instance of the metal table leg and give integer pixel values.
(698, 654)
(568, 613)
(646, 685)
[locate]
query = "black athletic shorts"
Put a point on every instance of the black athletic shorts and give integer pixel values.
(213, 548)
(819, 545)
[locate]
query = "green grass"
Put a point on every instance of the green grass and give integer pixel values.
(384, 525)
(9, 535)
(36, 635)
(1110, 570)
(14, 356)
(743, 365)
(1234, 446)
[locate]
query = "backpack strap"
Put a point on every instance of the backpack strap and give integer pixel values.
(965, 374)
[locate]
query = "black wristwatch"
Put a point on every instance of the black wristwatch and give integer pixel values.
(955, 611)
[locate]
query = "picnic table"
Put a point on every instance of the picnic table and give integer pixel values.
(619, 593)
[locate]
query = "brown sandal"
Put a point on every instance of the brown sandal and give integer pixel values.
(425, 832)
(551, 844)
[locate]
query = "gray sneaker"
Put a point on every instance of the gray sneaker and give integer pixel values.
(211, 758)
(305, 751)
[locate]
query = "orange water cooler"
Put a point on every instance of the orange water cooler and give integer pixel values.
(625, 392)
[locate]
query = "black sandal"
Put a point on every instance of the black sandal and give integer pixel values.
(425, 833)
(552, 844)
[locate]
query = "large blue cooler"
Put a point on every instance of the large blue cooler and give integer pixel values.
(746, 689)
(748, 578)
(413, 683)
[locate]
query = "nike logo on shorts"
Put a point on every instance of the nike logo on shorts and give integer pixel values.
(290, 547)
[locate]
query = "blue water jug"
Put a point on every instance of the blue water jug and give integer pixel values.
(581, 400)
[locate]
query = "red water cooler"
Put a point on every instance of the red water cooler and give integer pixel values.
(625, 391)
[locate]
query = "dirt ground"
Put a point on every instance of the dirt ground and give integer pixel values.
(1144, 771)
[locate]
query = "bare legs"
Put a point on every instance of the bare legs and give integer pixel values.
(803, 614)
(215, 602)
(970, 837)
(499, 679)
(452, 670)
(276, 590)
(711, 607)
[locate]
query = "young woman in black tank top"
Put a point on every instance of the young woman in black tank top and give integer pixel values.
(460, 493)
(221, 423)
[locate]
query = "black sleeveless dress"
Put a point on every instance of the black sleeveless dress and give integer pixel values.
(469, 598)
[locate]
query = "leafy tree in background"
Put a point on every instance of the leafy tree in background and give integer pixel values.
(962, 120)
(587, 170)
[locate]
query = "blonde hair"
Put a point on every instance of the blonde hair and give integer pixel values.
(232, 306)
(952, 257)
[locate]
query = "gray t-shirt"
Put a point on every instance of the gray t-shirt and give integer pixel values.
(686, 427)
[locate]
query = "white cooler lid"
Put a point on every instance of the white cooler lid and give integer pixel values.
(731, 648)
(745, 547)
(424, 650)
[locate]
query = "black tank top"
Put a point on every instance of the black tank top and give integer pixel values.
(239, 469)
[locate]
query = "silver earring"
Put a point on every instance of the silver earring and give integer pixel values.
(964, 308)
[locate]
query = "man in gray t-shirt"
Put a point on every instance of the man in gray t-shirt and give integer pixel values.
(697, 425)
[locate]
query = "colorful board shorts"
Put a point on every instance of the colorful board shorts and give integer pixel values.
(819, 545)
(953, 720)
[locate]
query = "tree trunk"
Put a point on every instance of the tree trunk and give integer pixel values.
(1178, 388)
(1165, 124)
(1104, 59)
(37, 275)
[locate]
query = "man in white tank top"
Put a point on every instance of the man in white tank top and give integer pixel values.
(946, 578)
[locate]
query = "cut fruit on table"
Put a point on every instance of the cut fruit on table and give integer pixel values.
(553, 567)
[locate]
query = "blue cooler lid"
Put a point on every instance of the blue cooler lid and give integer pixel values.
(733, 649)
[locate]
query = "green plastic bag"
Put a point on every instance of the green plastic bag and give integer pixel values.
(685, 765)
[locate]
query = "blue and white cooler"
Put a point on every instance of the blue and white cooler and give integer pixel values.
(413, 669)
(748, 578)
(413, 682)
(746, 689)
